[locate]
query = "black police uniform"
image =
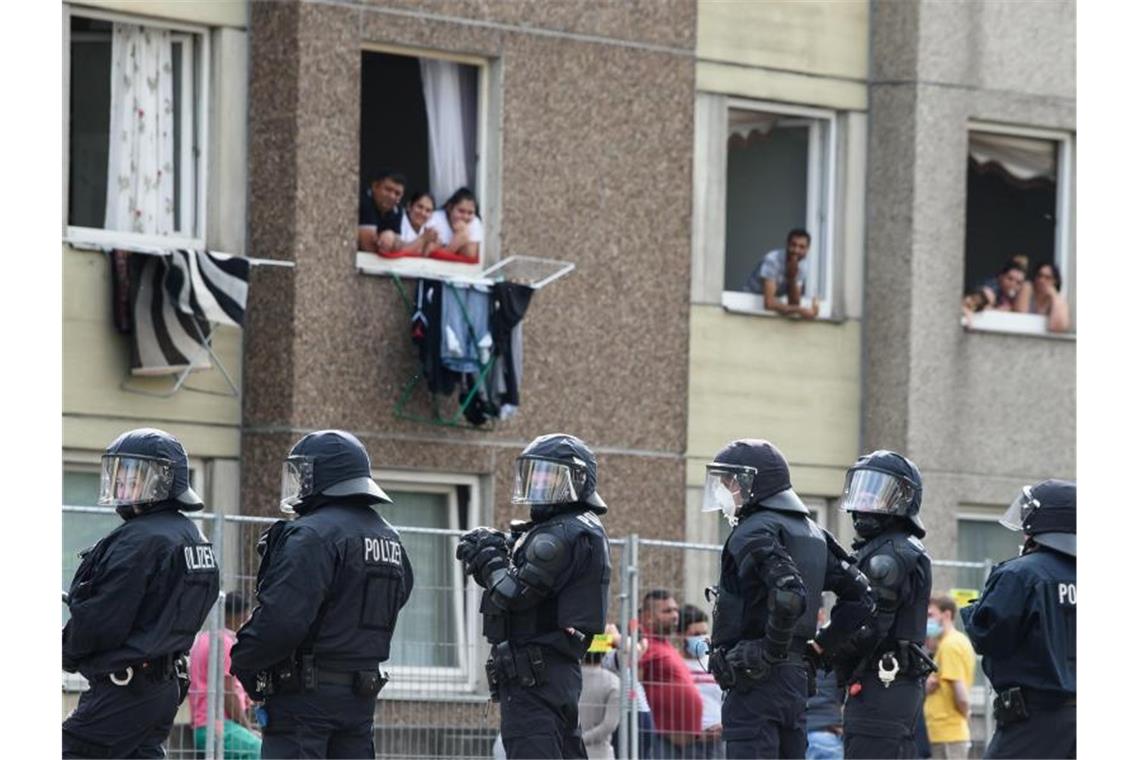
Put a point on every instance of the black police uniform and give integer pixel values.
(774, 566)
(785, 553)
(883, 665)
(1025, 627)
(137, 601)
(330, 586)
(880, 717)
(544, 600)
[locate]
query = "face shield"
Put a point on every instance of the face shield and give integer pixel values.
(545, 481)
(1019, 509)
(876, 492)
(296, 482)
(727, 487)
(126, 479)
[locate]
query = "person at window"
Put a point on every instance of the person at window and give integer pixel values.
(416, 237)
(1001, 292)
(380, 216)
(239, 740)
(1043, 296)
(783, 274)
(459, 227)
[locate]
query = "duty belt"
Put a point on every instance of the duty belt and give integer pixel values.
(155, 669)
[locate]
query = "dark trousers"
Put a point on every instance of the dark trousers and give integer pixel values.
(880, 721)
(330, 721)
(121, 721)
(768, 719)
(1045, 733)
(542, 721)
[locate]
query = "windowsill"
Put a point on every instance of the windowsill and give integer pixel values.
(1008, 323)
(97, 241)
(736, 302)
(410, 266)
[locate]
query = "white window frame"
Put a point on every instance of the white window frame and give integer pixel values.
(823, 163)
(370, 263)
(1064, 254)
(193, 170)
(425, 682)
(86, 461)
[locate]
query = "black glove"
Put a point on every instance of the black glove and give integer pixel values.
(750, 657)
(482, 551)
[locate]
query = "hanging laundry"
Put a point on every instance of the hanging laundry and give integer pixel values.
(466, 333)
(427, 334)
(510, 304)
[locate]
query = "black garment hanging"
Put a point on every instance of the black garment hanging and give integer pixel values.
(510, 304)
(427, 332)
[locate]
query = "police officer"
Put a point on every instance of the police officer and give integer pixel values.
(1025, 627)
(545, 597)
(137, 600)
(329, 588)
(774, 566)
(884, 666)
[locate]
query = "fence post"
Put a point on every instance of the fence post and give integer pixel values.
(988, 566)
(626, 697)
(634, 597)
(216, 679)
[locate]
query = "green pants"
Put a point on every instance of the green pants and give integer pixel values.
(238, 742)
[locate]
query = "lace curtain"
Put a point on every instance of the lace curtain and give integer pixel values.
(140, 163)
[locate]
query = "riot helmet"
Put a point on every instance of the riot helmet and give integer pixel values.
(881, 486)
(144, 470)
(1047, 513)
(327, 463)
(748, 474)
(554, 470)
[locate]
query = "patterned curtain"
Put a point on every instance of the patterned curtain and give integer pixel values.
(140, 164)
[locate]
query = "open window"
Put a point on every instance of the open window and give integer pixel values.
(136, 131)
(421, 131)
(433, 644)
(780, 176)
(1018, 209)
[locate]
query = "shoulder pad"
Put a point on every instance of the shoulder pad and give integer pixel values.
(884, 570)
(548, 550)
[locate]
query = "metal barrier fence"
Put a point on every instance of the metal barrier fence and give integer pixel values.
(437, 704)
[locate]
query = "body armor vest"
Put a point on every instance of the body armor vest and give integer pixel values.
(912, 584)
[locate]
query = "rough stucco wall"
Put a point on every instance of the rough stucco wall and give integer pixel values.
(592, 172)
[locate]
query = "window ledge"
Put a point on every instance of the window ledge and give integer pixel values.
(736, 302)
(1005, 323)
(98, 241)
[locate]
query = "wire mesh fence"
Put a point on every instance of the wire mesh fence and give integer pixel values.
(437, 704)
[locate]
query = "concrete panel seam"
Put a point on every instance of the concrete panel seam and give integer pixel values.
(972, 88)
(151, 419)
(499, 26)
(782, 70)
(494, 444)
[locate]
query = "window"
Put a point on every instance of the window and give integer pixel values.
(980, 538)
(1018, 206)
(421, 118)
(433, 644)
(780, 175)
(135, 172)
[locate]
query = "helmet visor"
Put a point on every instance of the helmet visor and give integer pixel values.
(875, 491)
(1019, 509)
(296, 481)
(126, 479)
(727, 487)
(544, 481)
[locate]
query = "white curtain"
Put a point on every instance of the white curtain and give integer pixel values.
(140, 162)
(447, 160)
(1024, 157)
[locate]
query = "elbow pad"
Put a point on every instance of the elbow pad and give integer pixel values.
(786, 602)
(885, 575)
(523, 586)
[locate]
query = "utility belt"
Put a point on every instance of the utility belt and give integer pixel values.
(898, 659)
(1017, 703)
(139, 675)
(728, 677)
(524, 665)
(301, 674)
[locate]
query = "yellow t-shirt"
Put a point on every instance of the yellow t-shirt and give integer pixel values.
(955, 659)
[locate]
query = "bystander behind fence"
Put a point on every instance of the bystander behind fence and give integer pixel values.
(436, 704)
